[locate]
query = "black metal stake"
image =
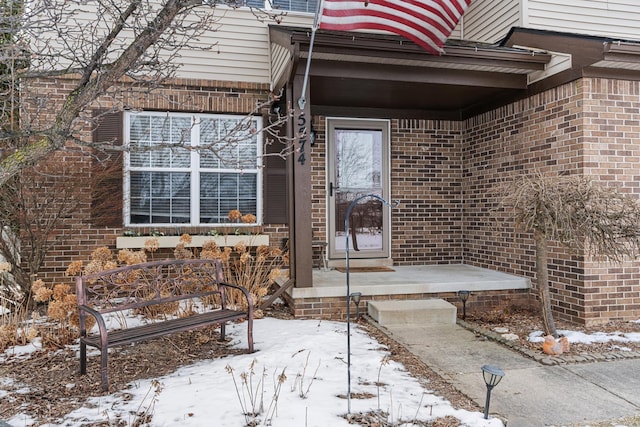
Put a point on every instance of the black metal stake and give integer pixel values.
(492, 376)
(464, 296)
(346, 229)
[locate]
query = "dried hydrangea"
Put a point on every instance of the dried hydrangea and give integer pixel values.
(234, 215)
(152, 244)
(129, 257)
(249, 219)
(57, 311)
(245, 258)
(180, 252)
(42, 294)
(60, 291)
(74, 269)
(102, 254)
(240, 247)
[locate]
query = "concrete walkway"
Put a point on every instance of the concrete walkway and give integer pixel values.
(530, 394)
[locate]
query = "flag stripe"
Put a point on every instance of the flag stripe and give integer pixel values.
(393, 13)
(426, 22)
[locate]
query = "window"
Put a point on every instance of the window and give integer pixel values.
(308, 6)
(167, 184)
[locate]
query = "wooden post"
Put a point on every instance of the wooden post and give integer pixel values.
(300, 229)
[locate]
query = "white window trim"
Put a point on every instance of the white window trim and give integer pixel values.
(195, 177)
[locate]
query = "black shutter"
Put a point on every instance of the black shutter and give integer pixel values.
(275, 183)
(106, 171)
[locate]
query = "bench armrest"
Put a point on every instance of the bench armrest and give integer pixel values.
(102, 326)
(246, 293)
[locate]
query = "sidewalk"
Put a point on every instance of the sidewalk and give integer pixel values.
(530, 394)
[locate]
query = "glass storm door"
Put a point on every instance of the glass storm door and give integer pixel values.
(358, 165)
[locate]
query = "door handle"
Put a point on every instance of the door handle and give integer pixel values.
(331, 189)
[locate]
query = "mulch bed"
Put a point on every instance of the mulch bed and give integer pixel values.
(523, 322)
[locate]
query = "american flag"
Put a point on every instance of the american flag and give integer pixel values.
(426, 22)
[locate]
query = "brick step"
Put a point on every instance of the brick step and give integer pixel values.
(403, 312)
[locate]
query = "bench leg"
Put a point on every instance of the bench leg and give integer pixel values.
(250, 334)
(83, 358)
(103, 369)
(222, 331)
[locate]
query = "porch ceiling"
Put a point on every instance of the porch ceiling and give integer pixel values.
(373, 75)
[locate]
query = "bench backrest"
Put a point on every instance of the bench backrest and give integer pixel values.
(144, 284)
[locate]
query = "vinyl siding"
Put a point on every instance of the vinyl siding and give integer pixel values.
(242, 49)
(609, 18)
(489, 21)
(236, 48)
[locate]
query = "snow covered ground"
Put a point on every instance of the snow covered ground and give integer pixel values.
(297, 378)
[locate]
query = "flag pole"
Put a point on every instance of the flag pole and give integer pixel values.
(302, 101)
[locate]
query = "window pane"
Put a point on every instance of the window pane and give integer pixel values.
(208, 137)
(140, 129)
(160, 129)
(223, 192)
(210, 211)
(309, 6)
(209, 186)
(248, 184)
(228, 185)
(248, 154)
(254, 3)
(167, 132)
(139, 140)
(160, 197)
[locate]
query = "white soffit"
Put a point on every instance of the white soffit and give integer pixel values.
(560, 61)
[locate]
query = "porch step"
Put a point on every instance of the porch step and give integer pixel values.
(424, 312)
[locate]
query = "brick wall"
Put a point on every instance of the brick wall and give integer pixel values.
(334, 308)
(539, 133)
(78, 237)
(590, 126)
(444, 174)
(612, 155)
(426, 177)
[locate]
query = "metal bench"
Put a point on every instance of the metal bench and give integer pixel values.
(172, 296)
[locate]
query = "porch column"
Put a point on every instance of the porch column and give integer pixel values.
(300, 206)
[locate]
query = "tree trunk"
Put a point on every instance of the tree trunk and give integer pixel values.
(542, 271)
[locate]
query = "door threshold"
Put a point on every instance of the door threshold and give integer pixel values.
(361, 262)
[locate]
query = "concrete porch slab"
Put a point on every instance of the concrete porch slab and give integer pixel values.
(415, 279)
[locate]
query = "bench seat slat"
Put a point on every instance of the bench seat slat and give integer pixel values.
(164, 327)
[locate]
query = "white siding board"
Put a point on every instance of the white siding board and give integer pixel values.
(489, 21)
(456, 34)
(617, 19)
(243, 46)
(279, 61)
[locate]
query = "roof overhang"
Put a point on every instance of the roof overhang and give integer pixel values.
(592, 56)
(375, 75)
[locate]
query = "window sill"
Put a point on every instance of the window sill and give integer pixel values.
(137, 242)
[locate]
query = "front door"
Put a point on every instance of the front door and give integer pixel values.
(358, 164)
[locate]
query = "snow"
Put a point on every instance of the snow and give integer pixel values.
(575, 337)
(311, 354)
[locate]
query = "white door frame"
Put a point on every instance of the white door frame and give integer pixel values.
(336, 237)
